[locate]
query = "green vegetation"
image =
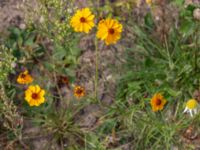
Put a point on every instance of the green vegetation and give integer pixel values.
(160, 55)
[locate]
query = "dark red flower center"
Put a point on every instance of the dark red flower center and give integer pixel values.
(111, 31)
(65, 80)
(82, 19)
(23, 75)
(79, 91)
(158, 102)
(34, 95)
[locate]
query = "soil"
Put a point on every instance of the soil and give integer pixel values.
(10, 14)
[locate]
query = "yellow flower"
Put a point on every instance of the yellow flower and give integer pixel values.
(79, 91)
(24, 78)
(34, 95)
(109, 30)
(83, 20)
(191, 106)
(149, 2)
(157, 102)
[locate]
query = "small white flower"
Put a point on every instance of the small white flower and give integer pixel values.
(13, 64)
(191, 107)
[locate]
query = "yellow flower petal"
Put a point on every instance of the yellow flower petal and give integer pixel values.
(109, 30)
(157, 102)
(34, 95)
(79, 91)
(24, 78)
(83, 20)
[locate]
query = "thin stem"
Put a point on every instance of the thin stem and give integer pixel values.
(96, 69)
(196, 52)
(169, 57)
(196, 55)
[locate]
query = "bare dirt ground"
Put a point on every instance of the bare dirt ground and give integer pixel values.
(11, 14)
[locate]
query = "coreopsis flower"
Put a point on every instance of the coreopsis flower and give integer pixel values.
(83, 20)
(79, 91)
(24, 78)
(191, 107)
(34, 95)
(62, 81)
(109, 30)
(157, 102)
(149, 2)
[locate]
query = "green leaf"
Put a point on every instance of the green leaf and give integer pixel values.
(49, 66)
(149, 21)
(59, 52)
(179, 2)
(148, 62)
(187, 27)
(30, 41)
(173, 93)
(20, 41)
(15, 32)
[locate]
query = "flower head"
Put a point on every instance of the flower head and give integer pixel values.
(149, 2)
(191, 106)
(24, 78)
(79, 91)
(157, 102)
(83, 20)
(109, 30)
(62, 81)
(34, 95)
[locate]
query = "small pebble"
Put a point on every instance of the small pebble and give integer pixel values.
(196, 14)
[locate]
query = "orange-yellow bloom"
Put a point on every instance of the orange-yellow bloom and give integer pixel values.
(109, 30)
(83, 20)
(157, 102)
(24, 78)
(34, 95)
(79, 91)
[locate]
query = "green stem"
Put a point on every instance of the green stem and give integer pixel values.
(168, 54)
(196, 56)
(96, 68)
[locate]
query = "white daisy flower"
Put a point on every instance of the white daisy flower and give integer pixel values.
(191, 107)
